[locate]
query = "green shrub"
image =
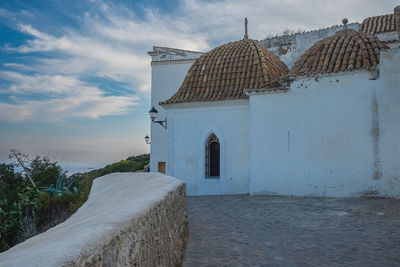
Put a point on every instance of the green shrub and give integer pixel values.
(15, 215)
(24, 210)
(53, 209)
(44, 172)
(131, 164)
(11, 183)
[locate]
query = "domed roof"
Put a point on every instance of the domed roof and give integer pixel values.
(226, 71)
(379, 24)
(347, 50)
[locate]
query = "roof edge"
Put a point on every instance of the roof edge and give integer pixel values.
(309, 31)
(211, 103)
(165, 48)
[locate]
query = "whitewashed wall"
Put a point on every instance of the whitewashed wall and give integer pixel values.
(166, 78)
(169, 67)
(388, 107)
(189, 127)
(332, 136)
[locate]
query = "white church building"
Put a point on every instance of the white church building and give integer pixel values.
(308, 114)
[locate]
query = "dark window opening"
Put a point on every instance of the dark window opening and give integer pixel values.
(212, 157)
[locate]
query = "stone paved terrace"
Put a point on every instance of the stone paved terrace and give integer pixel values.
(239, 230)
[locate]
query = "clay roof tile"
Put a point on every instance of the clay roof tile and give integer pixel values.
(224, 73)
(378, 24)
(347, 50)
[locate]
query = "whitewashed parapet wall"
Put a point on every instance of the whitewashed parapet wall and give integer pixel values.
(130, 219)
(290, 47)
(168, 69)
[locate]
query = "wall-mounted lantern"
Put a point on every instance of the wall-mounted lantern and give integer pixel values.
(147, 139)
(153, 115)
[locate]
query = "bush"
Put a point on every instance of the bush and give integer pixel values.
(24, 210)
(10, 183)
(44, 172)
(52, 209)
(14, 217)
(131, 164)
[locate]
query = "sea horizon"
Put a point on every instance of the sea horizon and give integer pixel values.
(74, 167)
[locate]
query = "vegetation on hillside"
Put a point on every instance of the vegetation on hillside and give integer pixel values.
(131, 164)
(41, 196)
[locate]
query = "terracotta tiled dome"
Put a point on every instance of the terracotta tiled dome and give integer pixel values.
(347, 50)
(226, 71)
(378, 24)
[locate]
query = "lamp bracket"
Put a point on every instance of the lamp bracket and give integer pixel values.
(162, 123)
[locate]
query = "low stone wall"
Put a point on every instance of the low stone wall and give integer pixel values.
(130, 219)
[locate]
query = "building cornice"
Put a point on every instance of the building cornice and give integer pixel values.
(233, 102)
(176, 61)
(166, 54)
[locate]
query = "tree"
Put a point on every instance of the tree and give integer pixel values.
(22, 159)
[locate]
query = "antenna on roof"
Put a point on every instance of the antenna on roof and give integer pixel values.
(246, 36)
(345, 21)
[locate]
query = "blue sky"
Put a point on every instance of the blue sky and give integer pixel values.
(75, 75)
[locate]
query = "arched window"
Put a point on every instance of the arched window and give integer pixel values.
(212, 157)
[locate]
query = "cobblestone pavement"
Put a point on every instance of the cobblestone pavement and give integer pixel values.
(239, 230)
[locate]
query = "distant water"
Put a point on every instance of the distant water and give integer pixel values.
(77, 167)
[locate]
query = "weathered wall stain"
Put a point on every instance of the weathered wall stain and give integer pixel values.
(377, 174)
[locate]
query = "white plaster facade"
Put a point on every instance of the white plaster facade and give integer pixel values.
(168, 69)
(328, 135)
(331, 135)
(190, 126)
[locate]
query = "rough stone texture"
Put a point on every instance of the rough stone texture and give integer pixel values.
(239, 230)
(130, 219)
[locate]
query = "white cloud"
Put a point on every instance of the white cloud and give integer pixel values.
(224, 18)
(42, 84)
(90, 106)
(111, 42)
(65, 97)
(19, 66)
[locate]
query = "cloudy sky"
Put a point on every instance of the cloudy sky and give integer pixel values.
(75, 75)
